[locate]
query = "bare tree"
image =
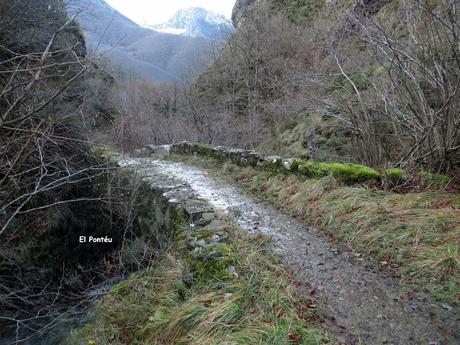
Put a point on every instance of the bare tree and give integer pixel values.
(415, 101)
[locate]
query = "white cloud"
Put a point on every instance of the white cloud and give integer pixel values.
(159, 11)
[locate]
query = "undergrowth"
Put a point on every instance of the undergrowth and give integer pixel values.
(259, 306)
(416, 235)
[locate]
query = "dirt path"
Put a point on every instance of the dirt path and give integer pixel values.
(350, 294)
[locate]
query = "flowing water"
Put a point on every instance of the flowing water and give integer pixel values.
(50, 329)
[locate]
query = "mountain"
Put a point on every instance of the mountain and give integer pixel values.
(239, 10)
(150, 54)
(197, 22)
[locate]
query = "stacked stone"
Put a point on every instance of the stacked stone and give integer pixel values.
(208, 232)
(238, 156)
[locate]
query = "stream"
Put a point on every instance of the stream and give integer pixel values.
(50, 329)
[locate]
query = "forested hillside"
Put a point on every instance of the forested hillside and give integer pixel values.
(150, 55)
(301, 189)
(373, 82)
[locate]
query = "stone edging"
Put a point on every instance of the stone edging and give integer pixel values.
(239, 156)
(207, 231)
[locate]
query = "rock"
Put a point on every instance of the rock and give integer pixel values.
(184, 147)
(334, 250)
(158, 149)
(216, 226)
(213, 256)
(187, 277)
(232, 272)
(201, 243)
(197, 254)
(179, 195)
(239, 11)
(216, 238)
(143, 152)
(195, 208)
(191, 243)
(270, 162)
(236, 154)
(250, 159)
(205, 219)
(273, 159)
(149, 150)
(287, 163)
(446, 307)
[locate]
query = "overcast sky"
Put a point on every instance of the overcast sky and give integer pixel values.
(159, 11)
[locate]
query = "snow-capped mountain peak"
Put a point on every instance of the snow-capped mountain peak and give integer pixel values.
(197, 22)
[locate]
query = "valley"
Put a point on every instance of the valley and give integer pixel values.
(286, 176)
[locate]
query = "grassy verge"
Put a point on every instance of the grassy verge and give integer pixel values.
(259, 306)
(416, 235)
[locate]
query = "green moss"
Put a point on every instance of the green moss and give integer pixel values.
(274, 166)
(295, 165)
(295, 137)
(211, 269)
(121, 289)
(105, 154)
(435, 179)
(344, 87)
(347, 173)
(396, 177)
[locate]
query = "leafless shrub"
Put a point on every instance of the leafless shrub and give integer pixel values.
(405, 110)
(51, 183)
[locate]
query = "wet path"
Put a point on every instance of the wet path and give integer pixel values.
(365, 304)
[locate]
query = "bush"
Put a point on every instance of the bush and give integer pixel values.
(395, 177)
(347, 173)
(434, 179)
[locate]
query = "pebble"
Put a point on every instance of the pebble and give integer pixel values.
(446, 306)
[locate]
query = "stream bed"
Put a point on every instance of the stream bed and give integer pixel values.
(52, 328)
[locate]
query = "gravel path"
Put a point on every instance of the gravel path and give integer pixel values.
(360, 302)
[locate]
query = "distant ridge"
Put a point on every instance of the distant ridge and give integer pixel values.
(197, 22)
(153, 55)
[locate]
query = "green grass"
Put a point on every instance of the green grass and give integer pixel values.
(395, 177)
(260, 306)
(415, 235)
(434, 179)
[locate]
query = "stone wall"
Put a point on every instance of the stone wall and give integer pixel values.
(171, 208)
(240, 157)
(346, 173)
